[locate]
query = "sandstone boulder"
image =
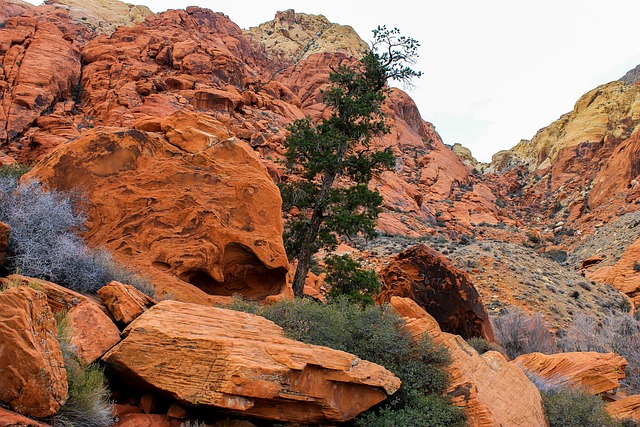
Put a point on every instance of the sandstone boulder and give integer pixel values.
(92, 332)
(124, 301)
(625, 408)
(11, 419)
(147, 420)
(33, 380)
(444, 291)
(5, 230)
(191, 208)
(595, 372)
(491, 390)
(243, 363)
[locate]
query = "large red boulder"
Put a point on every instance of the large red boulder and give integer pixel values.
(33, 380)
(444, 291)
(218, 358)
(186, 205)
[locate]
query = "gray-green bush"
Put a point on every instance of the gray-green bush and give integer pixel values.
(519, 333)
(44, 242)
(576, 408)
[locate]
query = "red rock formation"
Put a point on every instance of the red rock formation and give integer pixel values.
(5, 230)
(124, 301)
(596, 372)
(625, 274)
(11, 419)
(33, 380)
(190, 207)
(92, 332)
(627, 408)
(255, 369)
(445, 292)
(491, 390)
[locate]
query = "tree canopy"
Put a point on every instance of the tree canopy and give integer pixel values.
(332, 161)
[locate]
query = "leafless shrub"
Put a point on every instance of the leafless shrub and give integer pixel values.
(618, 333)
(519, 333)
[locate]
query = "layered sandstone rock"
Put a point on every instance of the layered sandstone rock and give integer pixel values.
(625, 274)
(11, 419)
(190, 207)
(292, 36)
(444, 291)
(243, 363)
(33, 380)
(5, 230)
(124, 301)
(104, 16)
(595, 372)
(627, 408)
(92, 332)
(491, 390)
(29, 50)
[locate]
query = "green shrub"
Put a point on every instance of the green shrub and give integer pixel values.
(576, 408)
(347, 277)
(480, 344)
(431, 410)
(15, 170)
(376, 334)
(88, 403)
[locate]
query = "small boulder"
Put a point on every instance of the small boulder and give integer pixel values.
(444, 291)
(214, 357)
(11, 419)
(147, 420)
(33, 380)
(124, 301)
(625, 408)
(595, 372)
(92, 332)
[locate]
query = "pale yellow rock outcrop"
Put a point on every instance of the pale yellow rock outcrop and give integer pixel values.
(610, 110)
(294, 36)
(104, 15)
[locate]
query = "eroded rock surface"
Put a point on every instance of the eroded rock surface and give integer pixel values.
(124, 301)
(444, 291)
(625, 408)
(188, 206)
(596, 372)
(92, 332)
(491, 390)
(209, 356)
(33, 380)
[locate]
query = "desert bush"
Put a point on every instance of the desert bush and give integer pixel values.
(88, 403)
(576, 408)
(617, 333)
(480, 344)
(376, 334)
(519, 333)
(347, 277)
(15, 170)
(44, 242)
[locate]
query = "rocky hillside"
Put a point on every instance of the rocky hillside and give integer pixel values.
(170, 128)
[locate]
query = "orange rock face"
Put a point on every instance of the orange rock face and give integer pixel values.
(5, 230)
(596, 372)
(491, 390)
(209, 356)
(445, 292)
(11, 419)
(124, 301)
(190, 208)
(92, 332)
(625, 408)
(625, 274)
(33, 380)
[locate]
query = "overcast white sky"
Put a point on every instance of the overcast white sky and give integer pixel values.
(495, 71)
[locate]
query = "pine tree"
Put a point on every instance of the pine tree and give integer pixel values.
(338, 149)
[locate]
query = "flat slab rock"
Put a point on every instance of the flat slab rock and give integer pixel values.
(209, 356)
